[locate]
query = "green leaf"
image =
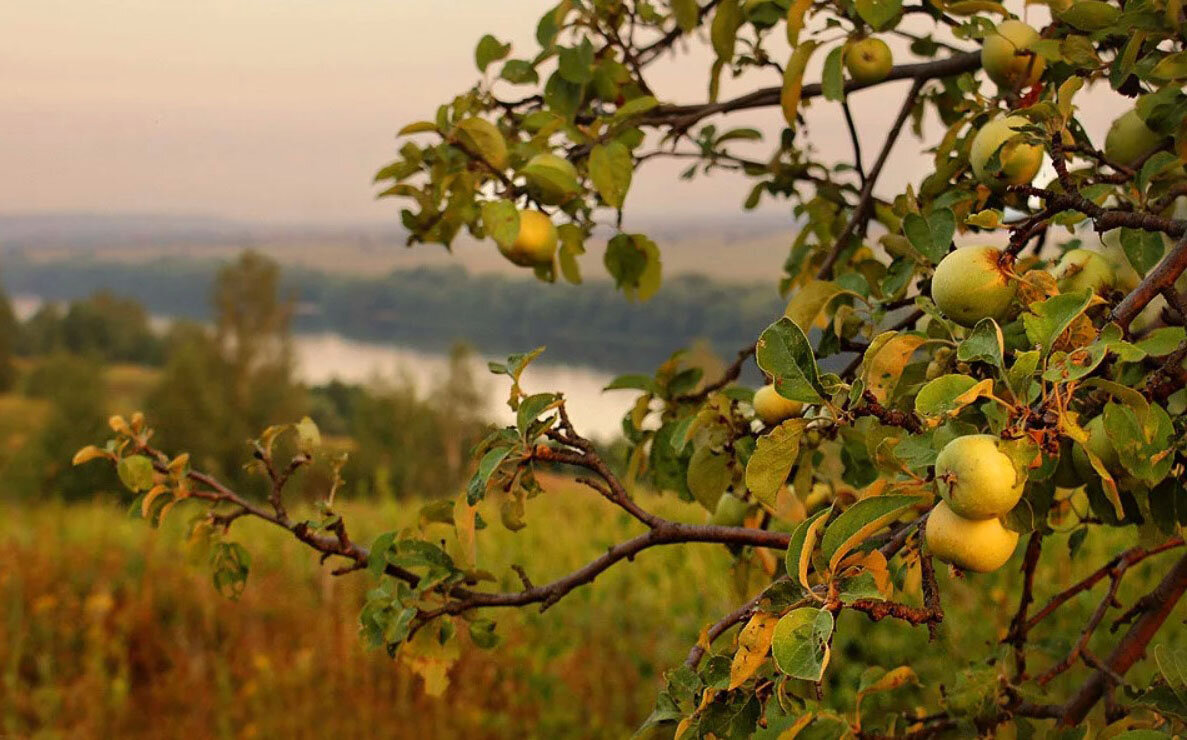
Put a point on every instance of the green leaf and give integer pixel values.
(1090, 15)
(879, 13)
(490, 462)
(944, 395)
(610, 168)
(723, 32)
(500, 219)
(1171, 67)
(576, 64)
(572, 247)
(859, 521)
(783, 353)
(519, 72)
(482, 633)
(687, 14)
(801, 643)
(1046, 320)
(832, 81)
(1142, 248)
(708, 476)
(377, 560)
(773, 456)
(489, 50)
(531, 408)
(633, 261)
(562, 96)
(482, 139)
(984, 344)
(419, 127)
(135, 472)
(931, 235)
(1158, 163)
(1162, 341)
(637, 382)
(634, 107)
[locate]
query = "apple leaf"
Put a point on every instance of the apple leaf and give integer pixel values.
(931, 235)
(771, 461)
(610, 168)
(800, 644)
(783, 353)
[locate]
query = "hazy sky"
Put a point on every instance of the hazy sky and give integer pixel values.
(281, 110)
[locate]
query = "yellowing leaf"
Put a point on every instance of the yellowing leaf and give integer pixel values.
(772, 459)
(793, 80)
(795, 20)
(88, 453)
(146, 502)
(882, 369)
(753, 643)
(808, 301)
(889, 681)
(464, 524)
(428, 658)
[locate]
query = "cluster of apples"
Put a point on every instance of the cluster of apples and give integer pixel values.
(979, 484)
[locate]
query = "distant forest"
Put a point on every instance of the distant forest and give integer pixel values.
(431, 308)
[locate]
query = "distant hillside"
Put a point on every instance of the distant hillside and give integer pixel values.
(739, 247)
(430, 308)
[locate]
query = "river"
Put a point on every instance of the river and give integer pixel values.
(323, 357)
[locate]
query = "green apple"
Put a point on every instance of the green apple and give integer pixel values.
(1020, 160)
(730, 512)
(1130, 140)
(868, 60)
(979, 545)
(1083, 269)
(535, 244)
(970, 285)
(773, 408)
(551, 179)
(1004, 59)
(976, 478)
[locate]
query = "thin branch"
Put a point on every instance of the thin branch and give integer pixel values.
(1016, 635)
(730, 374)
(684, 116)
(1163, 275)
(1132, 647)
(855, 140)
(867, 192)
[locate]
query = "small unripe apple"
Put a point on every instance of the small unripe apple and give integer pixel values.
(1130, 140)
(536, 242)
(868, 60)
(730, 511)
(553, 178)
(979, 545)
(1101, 446)
(1001, 58)
(970, 285)
(773, 408)
(1083, 269)
(976, 478)
(1020, 160)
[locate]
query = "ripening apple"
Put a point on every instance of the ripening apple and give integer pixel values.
(1083, 269)
(1020, 160)
(1004, 59)
(976, 478)
(773, 408)
(970, 284)
(730, 511)
(979, 545)
(536, 242)
(868, 60)
(1130, 140)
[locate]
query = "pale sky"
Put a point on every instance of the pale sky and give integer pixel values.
(281, 110)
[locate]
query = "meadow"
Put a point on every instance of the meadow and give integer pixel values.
(111, 628)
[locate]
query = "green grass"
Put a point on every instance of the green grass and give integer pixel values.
(109, 628)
